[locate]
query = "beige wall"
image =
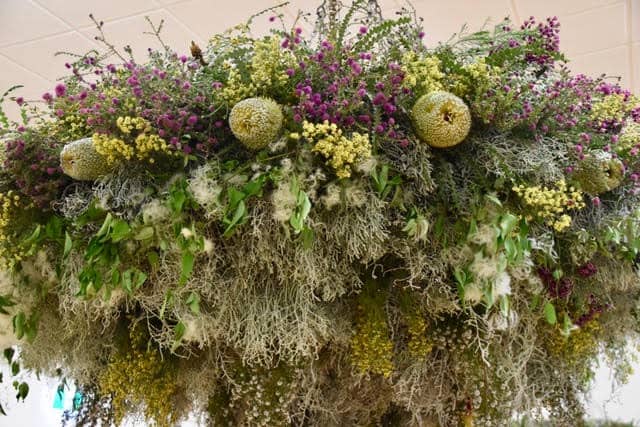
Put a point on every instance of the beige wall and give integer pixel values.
(599, 36)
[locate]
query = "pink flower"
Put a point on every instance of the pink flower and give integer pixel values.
(60, 89)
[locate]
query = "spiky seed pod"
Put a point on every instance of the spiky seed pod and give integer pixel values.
(598, 173)
(80, 160)
(441, 119)
(256, 122)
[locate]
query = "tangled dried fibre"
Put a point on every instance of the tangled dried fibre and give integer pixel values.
(271, 232)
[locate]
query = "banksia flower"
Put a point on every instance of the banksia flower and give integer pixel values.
(598, 174)
(441, 119)
(256, 122)
(80, 160)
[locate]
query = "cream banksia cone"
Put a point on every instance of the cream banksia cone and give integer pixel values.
(256, 122)
(80, 160)
(441, 119)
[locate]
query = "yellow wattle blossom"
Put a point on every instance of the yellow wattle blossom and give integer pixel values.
(341, 153)
(422, 74)
(629, 137)
(579, 347)
(441, 119)
(127, 124)
(269, 64)
(144, 145)
(142, 380)
(419, 345)
(371, 347)
(611, 107)
(551, 205)
(113, 149)
(148, 144)
(11, 205)
(235, 90)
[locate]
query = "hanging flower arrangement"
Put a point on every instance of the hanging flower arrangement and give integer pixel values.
(345, 228)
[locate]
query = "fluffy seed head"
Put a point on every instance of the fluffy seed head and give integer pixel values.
(256, 122)
(441, 119)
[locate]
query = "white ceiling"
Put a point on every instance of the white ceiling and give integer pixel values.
(599, 36)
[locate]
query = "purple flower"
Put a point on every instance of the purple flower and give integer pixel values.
(19, 100)
(47, 97)
(272, 18)
(363, 30)
(192, 120)
(379, 99)
(61, 89)
(183, 58)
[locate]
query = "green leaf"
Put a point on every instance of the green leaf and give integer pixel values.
(119, 231)
(105, 226)
(188, 260)
(144, 234)
(178, 332)
(2, 411)
(511, 249)
(23, 391)
(237, 218)
(126, 281)
(507, 223)
(307, 237)
(9, 353)
(550, 313)
(68, 244)
(15, 368)
(193, 301)
(235, 197)
(153, 258)
(139, 279)
(19, 325)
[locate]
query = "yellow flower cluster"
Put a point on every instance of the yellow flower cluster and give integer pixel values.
(342, 153)
(112, 148)
(423, 74)
(9, 202)
(127, 124)
(550, 204)
(144, 145)
(477, 77)
(419, 345)
(128, 102)
(441, 119)
(580, 346)
(269, 63)
(371, 348)
(629, 137)
(235, 90)
(140, 379)
(611, 107)
(147, 144)
(71, 127)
